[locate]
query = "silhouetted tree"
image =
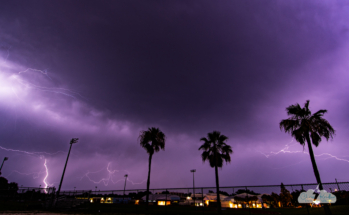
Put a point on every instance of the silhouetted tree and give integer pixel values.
(303, 126)
(275, 199)
(3, 183)
(13, 186)
(285, 196)
(215, 150)
(152, 140)
(342, 197)
(268, 199)
(295, 194)
(248, 199)
(141, 194)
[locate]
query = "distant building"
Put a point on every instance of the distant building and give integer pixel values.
(162, 199)
(244, 200)
(200, 199)
(109, 200)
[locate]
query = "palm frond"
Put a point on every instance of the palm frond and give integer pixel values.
(152, 140)
(222, 138)
(205, 156)
(301, 124)
(288, 125)
(324, 128)
(206, 146)
(306, 108)
(227, 149)
(293, 109)
(315, 138)
(320, 113)
(226, 157)
(215, 149)
(204, 139)
(298, 134)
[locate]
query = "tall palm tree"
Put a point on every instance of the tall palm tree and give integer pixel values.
(151, 140)
(308, 128)
(215, 150)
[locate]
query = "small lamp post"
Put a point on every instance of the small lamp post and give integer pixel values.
(5, 159)
(72, 141)
(193, 171)
(124, 186)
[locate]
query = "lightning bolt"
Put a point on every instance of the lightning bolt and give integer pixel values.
(283, 150)
(27, 84)
(35, 174)
(108, 179)
(29, 153)
(286, 150)
(46, 176)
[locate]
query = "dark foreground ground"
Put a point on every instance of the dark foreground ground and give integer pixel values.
(25, 208)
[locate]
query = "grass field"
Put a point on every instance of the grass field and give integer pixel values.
(25, 208)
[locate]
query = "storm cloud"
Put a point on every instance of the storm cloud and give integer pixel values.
(104, 71)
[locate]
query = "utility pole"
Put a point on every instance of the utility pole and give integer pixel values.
(5, 159)
(193, 171)
(72, 141)
(337, 185)
(124, 186)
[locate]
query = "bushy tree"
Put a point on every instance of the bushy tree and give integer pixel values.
(285, 197)
(276, 199)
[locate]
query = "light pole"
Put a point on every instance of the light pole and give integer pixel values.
(72, 141)
(124, 186)
(5, 159)
(193, 171)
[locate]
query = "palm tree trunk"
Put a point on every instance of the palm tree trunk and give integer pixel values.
(148, 181)
(217, 184)
(316, 172)
(313, 162)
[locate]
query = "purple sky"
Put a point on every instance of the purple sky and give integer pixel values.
(103, 72)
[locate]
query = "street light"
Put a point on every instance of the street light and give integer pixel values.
(72, 141)
(193, 171)
(5, 159)
(124, 186)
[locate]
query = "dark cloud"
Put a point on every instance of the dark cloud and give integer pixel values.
(104, 71)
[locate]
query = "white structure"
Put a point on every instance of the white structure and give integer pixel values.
(162, 199)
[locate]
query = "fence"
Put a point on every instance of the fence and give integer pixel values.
(187, 197)
(28, 194)
(231, 190)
